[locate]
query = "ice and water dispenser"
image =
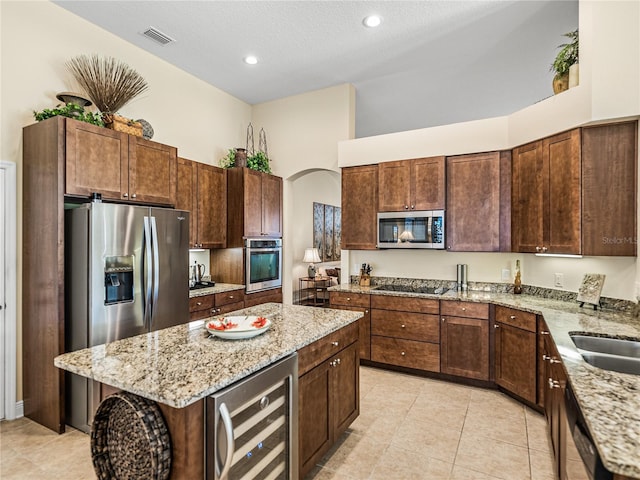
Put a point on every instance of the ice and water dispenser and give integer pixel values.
(118, 279)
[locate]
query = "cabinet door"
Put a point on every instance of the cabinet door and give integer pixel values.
(473, 202)
(464, 347)
(314, 421)
(212, 206)
(565, 178)
(515, 367)
(95, 160)
(271, 205)
(393, 186)
(153, 172)
(359, 207)
(529, 197)
(364, 329)
(186, 195)
(345, 394)
(427, 183)
(609, 179)
(252, 203)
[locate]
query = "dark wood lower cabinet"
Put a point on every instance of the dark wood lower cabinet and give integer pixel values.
(515, 360)
(464, 347)
(329, 401)
(358, 302)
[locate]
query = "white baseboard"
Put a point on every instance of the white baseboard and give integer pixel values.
(19, 409)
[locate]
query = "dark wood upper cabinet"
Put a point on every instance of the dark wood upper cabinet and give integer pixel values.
(359, 207)
(479, 202)
(416, 184)
(254, 200)
(546, 195)
(202, 189)
(118, 166)
(609, 185)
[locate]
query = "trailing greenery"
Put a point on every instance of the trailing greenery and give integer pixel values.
(70, 110)
(259, 161)
(567, 56)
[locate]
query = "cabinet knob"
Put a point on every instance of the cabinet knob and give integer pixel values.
(402, 353)
(406, 207)
(125, 195)
(133, 196)
(335, 344)
(538, 249)
(412, 207)
(544, 332)
(443, 319)
(496, 326)
(464, 309)
(366, 311)
(448, 247)
(198, 303)
(554, 383)
(544, 249)
(403, 326)
(512, 317)
(230, 297)
(348, 299)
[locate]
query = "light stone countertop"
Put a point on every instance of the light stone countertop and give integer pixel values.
(180, 365)
(218, 288)
(609, 401)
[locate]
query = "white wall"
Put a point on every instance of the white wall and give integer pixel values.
(37, 38)
(609, 89)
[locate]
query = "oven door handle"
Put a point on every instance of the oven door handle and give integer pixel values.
(231, 445)
(276, 249)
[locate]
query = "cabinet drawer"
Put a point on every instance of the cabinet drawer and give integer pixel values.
(225, 298)
(229, 307)
(349, 299)
(266, 296)
(516, 318)
(406, 353)
(204, 302)
(465, 309)
(317, 352)
(410, 326)
(405, 304)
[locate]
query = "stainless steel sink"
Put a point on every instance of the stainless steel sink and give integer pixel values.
(609, 353)
(612, 346)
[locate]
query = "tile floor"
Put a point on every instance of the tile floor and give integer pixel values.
(409, 428)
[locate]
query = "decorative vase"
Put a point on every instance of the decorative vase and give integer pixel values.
(241, 157)
(560, 83)
(574, 75)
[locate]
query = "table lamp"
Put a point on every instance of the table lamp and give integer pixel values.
(311, 256)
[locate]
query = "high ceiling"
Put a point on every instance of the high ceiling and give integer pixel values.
(430, 62)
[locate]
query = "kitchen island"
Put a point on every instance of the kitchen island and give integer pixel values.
(180, 366)
(608, 400)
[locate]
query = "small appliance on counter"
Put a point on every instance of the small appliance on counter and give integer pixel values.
(201, 284)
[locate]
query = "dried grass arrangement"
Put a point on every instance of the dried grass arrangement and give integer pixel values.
(109, 83)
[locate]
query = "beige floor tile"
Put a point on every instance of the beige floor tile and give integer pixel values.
(378, 424)
(542, 466)
(320, 473)
(492, 402)
(493, 457)
(537, 432)
(511, 429)
(429, 439)
(354, 456)
(461, 473)
(402, 464)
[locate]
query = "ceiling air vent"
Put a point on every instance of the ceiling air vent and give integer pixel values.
(157, 36)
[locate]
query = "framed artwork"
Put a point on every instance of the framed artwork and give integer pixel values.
(327, 231)
(589, 291)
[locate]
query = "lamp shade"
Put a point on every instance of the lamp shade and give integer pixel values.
(311, 255)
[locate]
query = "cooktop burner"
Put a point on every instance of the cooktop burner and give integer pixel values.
(410, 289)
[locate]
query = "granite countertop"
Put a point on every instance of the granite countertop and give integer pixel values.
(218, 288)
(609, 401)
(179, 365)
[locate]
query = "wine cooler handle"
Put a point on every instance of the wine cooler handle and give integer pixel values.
(231, 447)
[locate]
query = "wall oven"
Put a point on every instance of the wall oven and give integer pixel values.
(263, 263)
(415, 229)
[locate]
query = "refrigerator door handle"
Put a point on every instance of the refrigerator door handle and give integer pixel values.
(156, 267)
(149, 273)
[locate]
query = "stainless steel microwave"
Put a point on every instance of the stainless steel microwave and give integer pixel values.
(417, 229)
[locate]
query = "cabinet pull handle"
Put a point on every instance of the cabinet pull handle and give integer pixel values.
(512, 317)
(538, 249)
(125, 195)
(335, 344)
(496, 326)
(337, 360)
(544, 332)
(554, 383)
(544, 249)
(133, 196)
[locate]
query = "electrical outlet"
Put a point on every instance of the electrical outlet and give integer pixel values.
(558, 280)
(506, 274)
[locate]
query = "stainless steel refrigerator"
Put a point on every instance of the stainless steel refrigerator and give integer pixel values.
(126, 273)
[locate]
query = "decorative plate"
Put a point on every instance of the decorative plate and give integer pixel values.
(239, 327)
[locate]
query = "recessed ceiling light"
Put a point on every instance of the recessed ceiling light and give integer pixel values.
(250, 59)
(372, 21)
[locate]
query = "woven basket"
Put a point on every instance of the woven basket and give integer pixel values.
(122, 124)
(130, 440)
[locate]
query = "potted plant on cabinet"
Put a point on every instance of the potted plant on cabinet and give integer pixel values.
(566, 60)
(258, 161)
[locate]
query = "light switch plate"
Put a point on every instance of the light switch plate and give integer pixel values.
(558, 280)
(506, 274)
